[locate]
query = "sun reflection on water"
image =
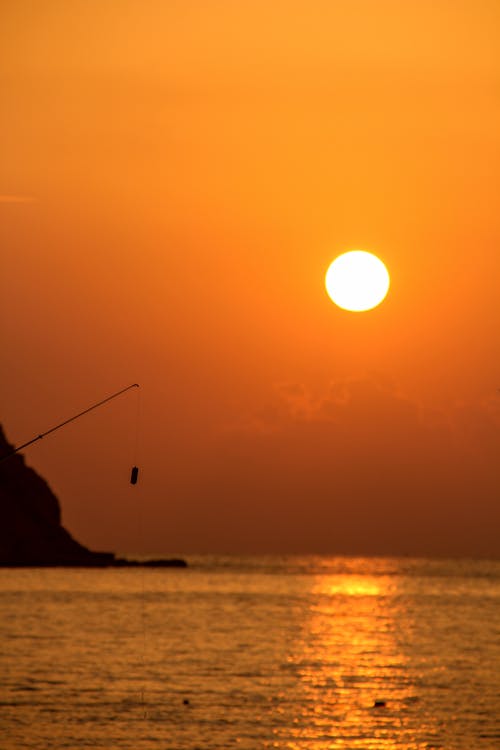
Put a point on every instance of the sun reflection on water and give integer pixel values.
(356, 692)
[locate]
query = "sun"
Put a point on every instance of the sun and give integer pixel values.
(357, 281)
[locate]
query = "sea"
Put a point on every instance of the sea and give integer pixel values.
(287, 652)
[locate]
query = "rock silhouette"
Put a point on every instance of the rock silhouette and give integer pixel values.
(31, 532)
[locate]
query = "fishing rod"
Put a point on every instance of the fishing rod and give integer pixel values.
(135, 470)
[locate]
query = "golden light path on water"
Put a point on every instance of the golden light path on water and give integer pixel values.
(353, 674)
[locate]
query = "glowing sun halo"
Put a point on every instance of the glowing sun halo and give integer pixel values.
(357, 281)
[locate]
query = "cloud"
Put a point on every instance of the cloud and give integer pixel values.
(352, 405)
(360, 467)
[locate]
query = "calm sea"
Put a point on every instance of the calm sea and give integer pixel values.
(264, 652)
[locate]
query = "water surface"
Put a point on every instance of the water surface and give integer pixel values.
(264, 652)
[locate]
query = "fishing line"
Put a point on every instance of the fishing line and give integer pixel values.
(143, 578)
(134, 474)
(140, 529)
(137, 426)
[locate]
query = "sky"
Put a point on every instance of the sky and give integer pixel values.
(175, 179)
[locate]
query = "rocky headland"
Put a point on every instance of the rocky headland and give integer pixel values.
(31, 532)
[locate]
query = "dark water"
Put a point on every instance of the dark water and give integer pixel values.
(253, 653)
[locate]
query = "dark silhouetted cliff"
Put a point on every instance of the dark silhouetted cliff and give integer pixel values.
(30, 529)
(31, 533)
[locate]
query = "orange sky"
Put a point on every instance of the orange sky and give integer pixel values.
(176, 177)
